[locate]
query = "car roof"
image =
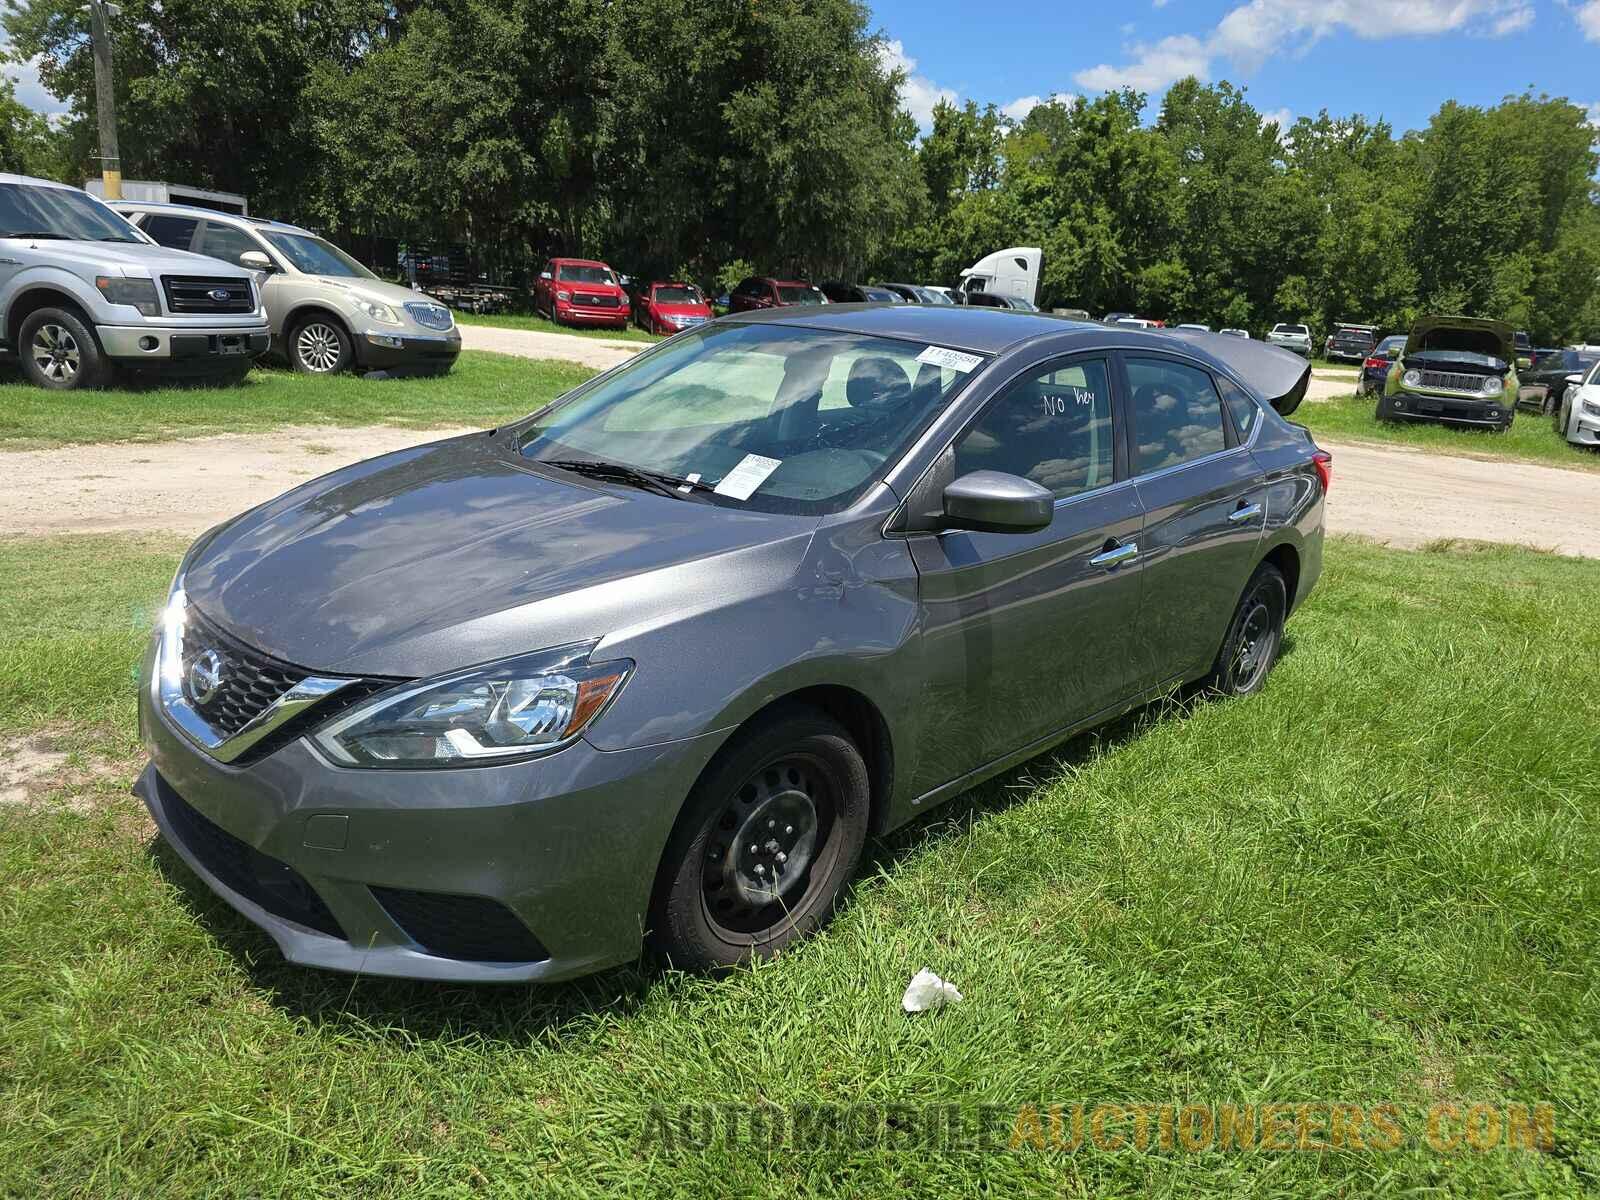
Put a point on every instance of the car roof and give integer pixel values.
(198, 210)
(34, 180)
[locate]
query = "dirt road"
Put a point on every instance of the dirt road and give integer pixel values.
(1404, 497)
(599, 353)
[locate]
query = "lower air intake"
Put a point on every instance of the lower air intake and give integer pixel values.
(469, 928)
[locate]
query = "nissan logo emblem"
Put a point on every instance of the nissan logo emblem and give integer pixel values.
(205, 677)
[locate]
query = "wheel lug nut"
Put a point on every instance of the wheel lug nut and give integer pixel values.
(754, 849)
(760, 870)
(782, 857)
(772, 824)
(788, 829)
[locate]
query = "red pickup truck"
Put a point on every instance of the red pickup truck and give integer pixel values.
(580, 291)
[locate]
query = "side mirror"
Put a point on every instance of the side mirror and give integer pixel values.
(1575, 379)
(257, 260)
(1392, 352)
(995, 502)
(544, 274)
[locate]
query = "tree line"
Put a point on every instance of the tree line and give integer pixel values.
(710, 138)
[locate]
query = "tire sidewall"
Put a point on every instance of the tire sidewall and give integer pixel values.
(93, 368)
(680, 931)
(1268, 577)
(346, 347)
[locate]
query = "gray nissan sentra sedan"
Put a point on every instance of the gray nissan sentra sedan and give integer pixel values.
(653, 663)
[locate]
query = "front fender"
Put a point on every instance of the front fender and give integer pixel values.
(46, 277)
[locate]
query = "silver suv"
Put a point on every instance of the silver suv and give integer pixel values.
(328, 312)
(82, 293)
(1291, 337)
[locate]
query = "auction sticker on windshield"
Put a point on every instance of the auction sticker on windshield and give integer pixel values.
(744, 479)
(956, 360)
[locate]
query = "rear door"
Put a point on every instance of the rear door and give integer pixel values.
(171, 230)
(1205, 509)
(1026, 634)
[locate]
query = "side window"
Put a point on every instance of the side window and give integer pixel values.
(1053, 427)
(1176, 414)
(1245, 410)
(173, 232)
(224, 242)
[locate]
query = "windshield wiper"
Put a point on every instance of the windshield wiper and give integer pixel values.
(116, 238)
(42, 235)
(656, 481)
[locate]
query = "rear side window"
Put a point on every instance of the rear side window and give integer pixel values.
(173, 232)
(1245, 411)
(1176, 412)
(1053, 427)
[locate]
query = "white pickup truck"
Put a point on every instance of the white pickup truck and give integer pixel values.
(84, 294)
(1291, 337)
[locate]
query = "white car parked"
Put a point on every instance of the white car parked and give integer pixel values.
(1578, 418)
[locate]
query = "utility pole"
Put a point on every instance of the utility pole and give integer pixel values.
(105, 97)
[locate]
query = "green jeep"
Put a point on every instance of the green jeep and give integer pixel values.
(1459, 370)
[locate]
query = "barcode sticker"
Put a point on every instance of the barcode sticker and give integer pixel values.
(956, 360)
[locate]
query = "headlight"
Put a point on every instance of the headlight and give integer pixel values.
(140, 293)
(1493, 385)
(1591, 408)
(376, 309)
(1412, 378)
(494, 714)
(563, 295)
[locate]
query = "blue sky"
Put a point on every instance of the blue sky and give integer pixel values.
(1396, 58)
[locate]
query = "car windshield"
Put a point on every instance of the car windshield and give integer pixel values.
(929, 296)
(675, 294)
(315, 256)
(570, 274)
(58, 212)
(770, 416)
(796, 293)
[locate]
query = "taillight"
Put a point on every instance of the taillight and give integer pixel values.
(1373, 364)
(1323, 462)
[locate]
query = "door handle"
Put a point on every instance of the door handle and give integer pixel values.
(1244, 512)
(1115, 556)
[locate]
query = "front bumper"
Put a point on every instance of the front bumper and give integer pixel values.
(399, 352)
(133, 344)
(1423, 406)
(1584, 428)
(599, 316)
(351, 869)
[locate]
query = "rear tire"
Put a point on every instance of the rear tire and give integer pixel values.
(789, 796)
(59, 351)
(1255, 636)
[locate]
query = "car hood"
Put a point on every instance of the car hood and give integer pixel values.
(1474, 335)
(134, 258)
(681, 310)
(389, 293)
(456, 553)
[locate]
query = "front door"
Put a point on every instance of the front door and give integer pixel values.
(1205, 509)
(1025, 634)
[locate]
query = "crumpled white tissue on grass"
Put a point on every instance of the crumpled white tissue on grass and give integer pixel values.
(926, 991)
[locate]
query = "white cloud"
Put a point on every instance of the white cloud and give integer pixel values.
(1588, 16)
(1281, 117)
(30, 91)
(918, 93)
(1594, 114)
(1252, 32)
(1019, 108)
(1154, 66)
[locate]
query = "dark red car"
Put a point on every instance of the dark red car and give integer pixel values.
(580, 291)
(761, 292)
(669, 307)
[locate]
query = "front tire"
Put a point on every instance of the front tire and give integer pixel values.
(766, 846)
(1255, 636)
(1381, 411)
(59, 351)
(320, 346)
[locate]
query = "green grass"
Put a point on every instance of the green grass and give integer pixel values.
(544, 325)
(1377, 881)
(481, 390)
(1530, 438)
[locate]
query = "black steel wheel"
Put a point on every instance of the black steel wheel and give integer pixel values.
(1255, 636)
(766, 846)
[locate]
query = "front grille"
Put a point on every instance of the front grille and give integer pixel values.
(252, 681)
(429, 316)
(470, 928)
(1452, 381)
(203, 296)
(260, 878)
(595, 301)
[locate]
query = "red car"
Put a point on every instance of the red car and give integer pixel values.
(669, 307)
(760, 292)
(580, 291)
